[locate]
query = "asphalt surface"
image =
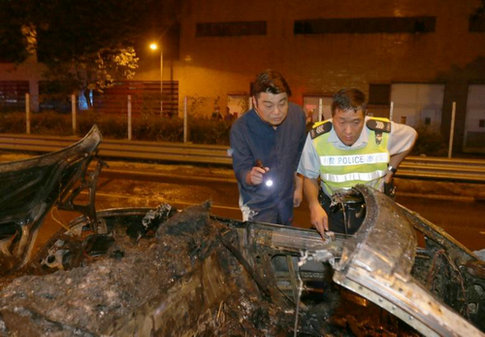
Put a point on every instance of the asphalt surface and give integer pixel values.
(457, 207)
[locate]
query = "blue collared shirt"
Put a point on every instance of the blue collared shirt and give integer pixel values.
(279, 149)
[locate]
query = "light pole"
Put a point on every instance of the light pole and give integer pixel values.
(154, 46)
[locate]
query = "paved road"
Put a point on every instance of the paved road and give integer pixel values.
(462, 216)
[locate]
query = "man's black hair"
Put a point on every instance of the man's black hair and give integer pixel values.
(270, 81)
(349, 99)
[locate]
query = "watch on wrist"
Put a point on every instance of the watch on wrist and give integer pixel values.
(391, 169)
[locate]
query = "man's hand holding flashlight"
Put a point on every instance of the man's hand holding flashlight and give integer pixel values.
(256, 175)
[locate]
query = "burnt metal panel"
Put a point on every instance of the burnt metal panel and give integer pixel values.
(29, 188)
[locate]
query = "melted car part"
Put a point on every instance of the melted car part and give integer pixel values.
(150, 222)
(31, 187)
(81, 246)
(380, 261)
(98, 244)
(450, 272)
(203, 275)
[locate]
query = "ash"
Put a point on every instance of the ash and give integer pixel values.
(180, 282)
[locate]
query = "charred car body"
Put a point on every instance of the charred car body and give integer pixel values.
(164, 272)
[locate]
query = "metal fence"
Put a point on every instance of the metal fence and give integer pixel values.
(147, 98)
(129, 113)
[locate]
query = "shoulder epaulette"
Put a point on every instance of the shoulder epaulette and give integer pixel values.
(379, 124)
(320, 128)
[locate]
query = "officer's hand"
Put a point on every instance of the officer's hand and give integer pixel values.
(297, 197)
(255, 176)
(319, 218)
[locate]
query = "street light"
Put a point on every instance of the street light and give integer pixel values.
(154, 46)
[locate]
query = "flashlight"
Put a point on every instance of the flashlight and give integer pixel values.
(267, 181)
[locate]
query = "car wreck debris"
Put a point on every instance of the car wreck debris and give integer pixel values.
(31, 187)
(167, 272)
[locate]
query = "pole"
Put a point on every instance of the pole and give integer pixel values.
(320, 109)
(452, 129)
(391, 111)
(27, 113)
(161, 80)
(129, 117)
(73, 110)
(185, 119)
(171, 112)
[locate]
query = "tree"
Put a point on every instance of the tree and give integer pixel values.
(85, 44)
(94, 71)
(477, 19)
(12, 42)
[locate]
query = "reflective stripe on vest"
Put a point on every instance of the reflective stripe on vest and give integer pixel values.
(354, 176)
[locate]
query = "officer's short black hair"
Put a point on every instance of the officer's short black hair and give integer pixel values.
(349, 99)
(270, 81)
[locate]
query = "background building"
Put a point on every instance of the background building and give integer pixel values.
(421, 55)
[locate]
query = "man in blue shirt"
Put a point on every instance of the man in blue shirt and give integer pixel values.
(266, 145)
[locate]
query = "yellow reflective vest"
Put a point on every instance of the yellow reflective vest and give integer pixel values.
(345, 168)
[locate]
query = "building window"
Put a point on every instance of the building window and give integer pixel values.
(379, 100)
(379, 94)
(207, 29)
(474, 133)
(421, 24)
(476, 23)
(12, 95)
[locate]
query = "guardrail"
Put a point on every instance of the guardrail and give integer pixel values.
(435, 168)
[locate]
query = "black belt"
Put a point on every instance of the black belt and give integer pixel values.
(345, 211)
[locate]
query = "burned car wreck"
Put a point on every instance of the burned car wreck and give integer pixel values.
(168, 272)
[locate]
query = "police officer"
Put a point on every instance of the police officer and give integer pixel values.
(347, 150)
